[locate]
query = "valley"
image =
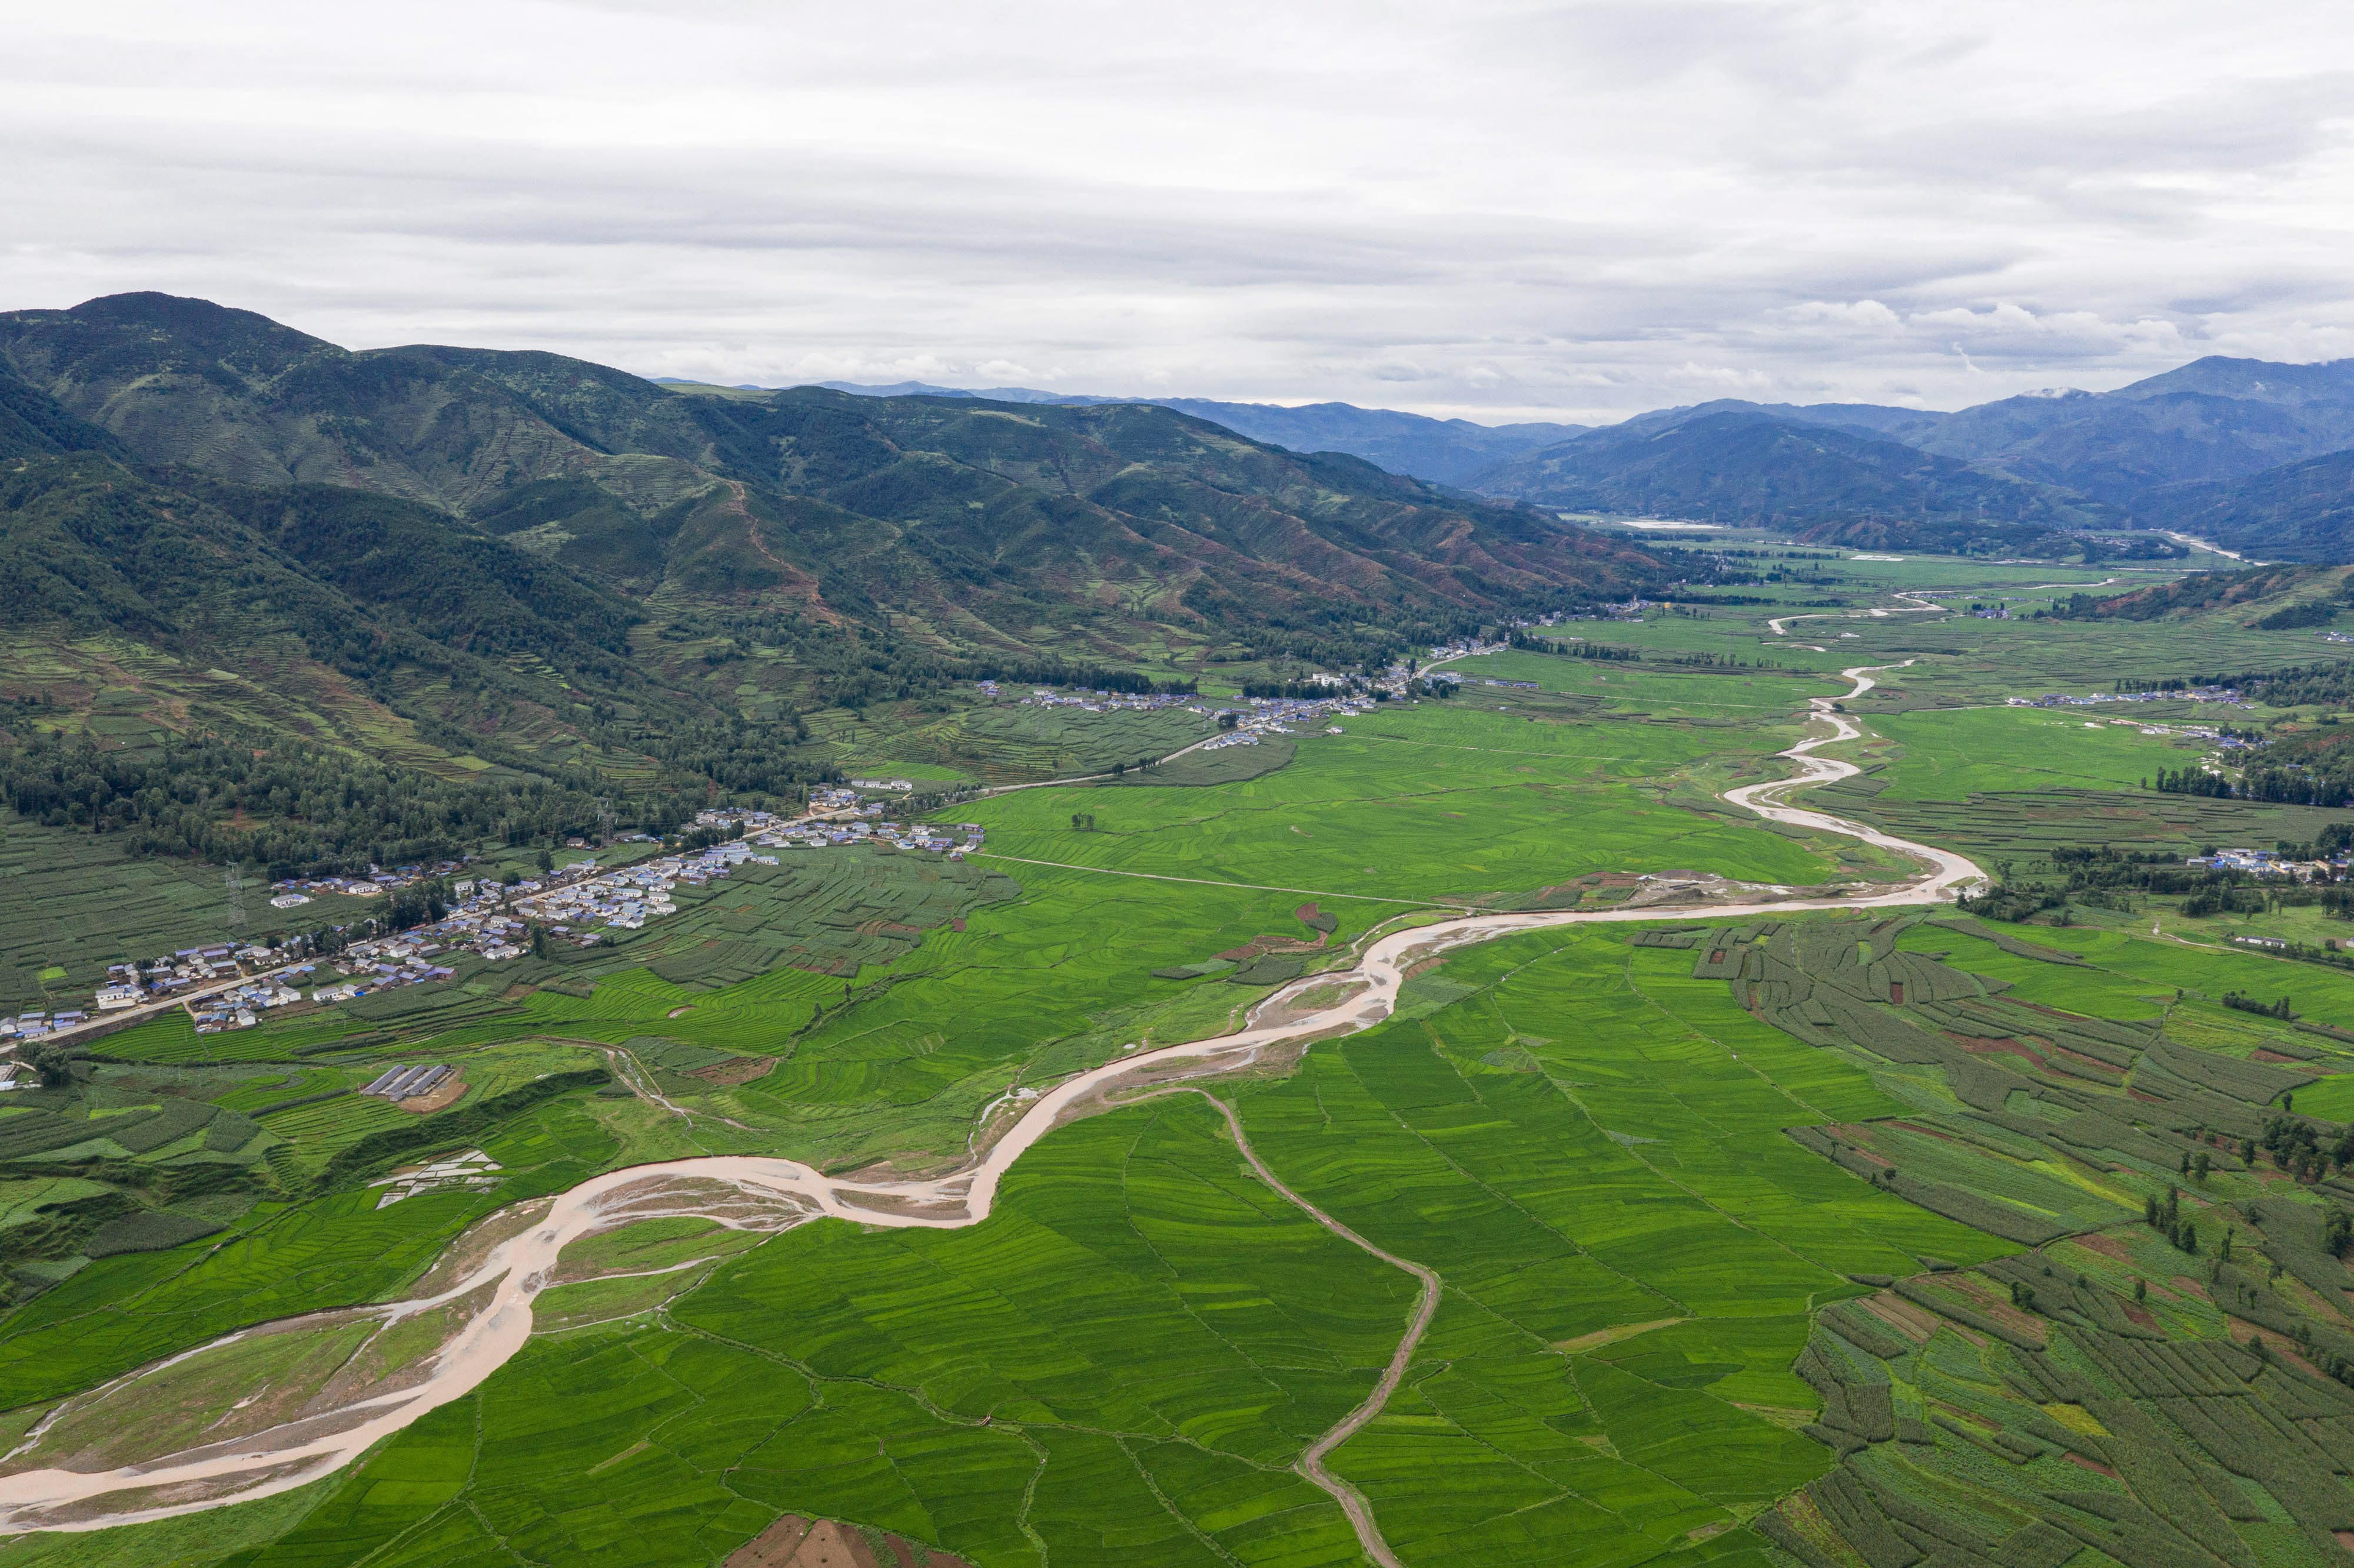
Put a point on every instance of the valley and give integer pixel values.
(1051, 984)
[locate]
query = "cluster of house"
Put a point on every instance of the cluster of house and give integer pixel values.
(38, 1024)
(1094, 702)
(2230, 695)
(130, 985)
(928, 837)
(242, 1008)
(624, 899)
(295, 891)
(1441, 652)
(2267, 863)
(386, 963)
(1285, 716)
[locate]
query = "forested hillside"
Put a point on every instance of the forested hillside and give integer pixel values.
(546, 594)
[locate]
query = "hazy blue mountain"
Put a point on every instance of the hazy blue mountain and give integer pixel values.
(1867, 418)
(1819, 481)
(2297, 512)
(2215, 418)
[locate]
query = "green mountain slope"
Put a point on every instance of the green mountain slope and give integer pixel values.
(1003, 529)
(2299, 511)
(537, 595)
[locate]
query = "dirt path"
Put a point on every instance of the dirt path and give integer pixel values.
(281, 1458)
(1311, 1463)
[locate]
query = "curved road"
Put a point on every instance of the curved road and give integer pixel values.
(282, 1457)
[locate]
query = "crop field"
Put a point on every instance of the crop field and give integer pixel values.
(1748, 694)
(1951, 754)
(1442, 802)
(1639, 1194)
(1834, 1242)
(833, 911)
(78, 903)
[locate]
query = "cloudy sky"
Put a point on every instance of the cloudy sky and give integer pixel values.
(1497, 210)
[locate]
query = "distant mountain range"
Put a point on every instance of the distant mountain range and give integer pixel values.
(1442, 451)
(2232, 450)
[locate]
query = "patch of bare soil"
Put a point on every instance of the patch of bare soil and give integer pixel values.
(1915, 1323)
(445, 1094)
(794, 1541)
(727, 1075)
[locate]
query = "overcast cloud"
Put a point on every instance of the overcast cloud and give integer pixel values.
(1499, 210)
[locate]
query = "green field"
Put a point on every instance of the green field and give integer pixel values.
(1951, 754)
(1445, 802)
(1760, 1242)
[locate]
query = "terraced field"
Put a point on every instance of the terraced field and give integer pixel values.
(1778, 1238)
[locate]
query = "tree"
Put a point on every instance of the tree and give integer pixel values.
(545, 860)
(53, 1063)
(538, 941)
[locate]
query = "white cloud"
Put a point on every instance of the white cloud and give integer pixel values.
(1504, 208)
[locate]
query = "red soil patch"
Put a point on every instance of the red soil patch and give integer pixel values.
(2107, 1246)
(955, 923)
(742, 1070)
(2185, 1286)
(2006, 1046)
(1913, 1322)
(1983, 1296)
(1264, 943)
(794, 1541)
(2093, 1465)
(1928, 1131)
(2261, 1054)
(2281, 1345)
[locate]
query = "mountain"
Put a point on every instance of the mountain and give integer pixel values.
(2298, 511)
(2215, 418)
(981, 526)
(1825, 483)
(1441, 451)
(1863, 418)
(362, 606)
(34, 424)
(984, 393)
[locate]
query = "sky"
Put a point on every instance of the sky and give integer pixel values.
(1496, 211)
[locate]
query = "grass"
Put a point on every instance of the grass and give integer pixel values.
(1640, 1193)
(1444, 802)
(1588, 1145)
(1948, 754)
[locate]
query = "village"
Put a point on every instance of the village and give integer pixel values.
(225, 985)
